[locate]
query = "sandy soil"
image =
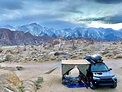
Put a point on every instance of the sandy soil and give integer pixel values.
(52, 82)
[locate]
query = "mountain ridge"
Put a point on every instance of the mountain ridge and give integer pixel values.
(105, 34)
(9, 38)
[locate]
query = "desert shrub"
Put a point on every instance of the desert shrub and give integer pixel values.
(19, 68)
(38, 82)
(20, 87)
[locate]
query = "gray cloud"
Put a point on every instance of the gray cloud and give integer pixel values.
(46, 1)
(24, 19)
(107, 19)
(93, 19)
(49, 0)
(109, 1)
(11, 4)
(73, 8)
(114, 19)
(59, 12)
(76, 6)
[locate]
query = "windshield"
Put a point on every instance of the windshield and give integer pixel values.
(99, 67)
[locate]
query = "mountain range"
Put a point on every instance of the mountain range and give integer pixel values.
(9, 38)
(96, 33)
(106, 34)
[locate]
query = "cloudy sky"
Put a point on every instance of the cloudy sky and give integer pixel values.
(61, 14)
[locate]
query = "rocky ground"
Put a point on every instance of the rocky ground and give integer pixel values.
(31, 62)
(60, 49)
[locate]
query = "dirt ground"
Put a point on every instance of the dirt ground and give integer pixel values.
(52, 82)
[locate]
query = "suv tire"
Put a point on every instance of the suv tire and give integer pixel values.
(91, 84)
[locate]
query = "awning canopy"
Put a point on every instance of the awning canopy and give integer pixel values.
(68, 65)
(75, 62)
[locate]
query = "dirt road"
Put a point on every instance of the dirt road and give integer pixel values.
(52, 82)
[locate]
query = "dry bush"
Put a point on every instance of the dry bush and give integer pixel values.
(38, 82)
(19, 68)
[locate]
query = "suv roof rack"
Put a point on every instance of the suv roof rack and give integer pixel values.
(94, 59)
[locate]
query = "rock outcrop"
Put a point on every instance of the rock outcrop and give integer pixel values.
(9, 82)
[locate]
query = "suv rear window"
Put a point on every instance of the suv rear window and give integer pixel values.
(99, 67)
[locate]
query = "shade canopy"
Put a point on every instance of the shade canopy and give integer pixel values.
(68, 65)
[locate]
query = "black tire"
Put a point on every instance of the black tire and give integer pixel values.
(91, 84)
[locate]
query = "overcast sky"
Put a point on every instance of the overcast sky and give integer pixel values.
(61, 14)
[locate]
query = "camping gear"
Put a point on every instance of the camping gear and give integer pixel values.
(74, 81)
(53, 68)
(94, 58)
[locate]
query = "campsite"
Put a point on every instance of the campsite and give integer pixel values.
(60, 45)
(53, 83)
(32, 62)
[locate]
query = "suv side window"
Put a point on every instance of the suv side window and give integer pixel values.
(99, 67)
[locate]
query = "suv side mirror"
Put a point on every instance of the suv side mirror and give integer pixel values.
(110, 69)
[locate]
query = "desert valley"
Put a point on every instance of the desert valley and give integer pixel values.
(30, 63)
(59, 45)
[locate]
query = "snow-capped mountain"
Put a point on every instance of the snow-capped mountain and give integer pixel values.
(33, 28)
(96, 33)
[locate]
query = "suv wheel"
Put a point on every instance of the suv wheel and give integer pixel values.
(92, 86)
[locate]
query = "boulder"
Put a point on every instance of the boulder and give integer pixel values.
(8, 77)
(29, 86)
(9, 81)
(9, 57)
